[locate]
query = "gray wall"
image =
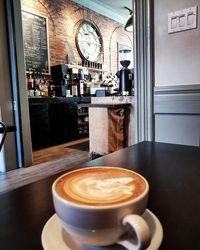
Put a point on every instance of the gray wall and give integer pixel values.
(177, 77)
(180, 129)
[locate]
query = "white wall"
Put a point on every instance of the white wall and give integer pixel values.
(177, 55)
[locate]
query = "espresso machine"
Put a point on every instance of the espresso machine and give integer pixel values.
(60, 77)
(125, 75)
(69, 81)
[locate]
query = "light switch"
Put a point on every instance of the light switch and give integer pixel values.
(174, 22)
(181, 20)
(190, 18)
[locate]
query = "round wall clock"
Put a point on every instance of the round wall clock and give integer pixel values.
(88, 41)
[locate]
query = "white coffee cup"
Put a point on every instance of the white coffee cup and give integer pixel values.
(99, 205)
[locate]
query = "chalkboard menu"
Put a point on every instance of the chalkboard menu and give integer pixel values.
(35, 42)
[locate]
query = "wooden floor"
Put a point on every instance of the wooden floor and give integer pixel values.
(47, 162)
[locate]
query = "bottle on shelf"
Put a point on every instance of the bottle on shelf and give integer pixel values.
(74, 90)
(27, 81)
(31, 90)
(37, 80)
(42, 85)
(37, 83)
(46, 86)
(80, 87)
(51, 88)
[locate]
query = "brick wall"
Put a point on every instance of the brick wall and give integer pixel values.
(63, 18)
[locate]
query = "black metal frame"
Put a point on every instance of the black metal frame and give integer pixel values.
(4, 134)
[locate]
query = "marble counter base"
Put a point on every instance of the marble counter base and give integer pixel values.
(99, 120)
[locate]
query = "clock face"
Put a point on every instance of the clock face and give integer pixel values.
(88, 41)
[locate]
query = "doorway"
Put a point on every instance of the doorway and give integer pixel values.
(23, 104)
(143, 98)
(46, 10)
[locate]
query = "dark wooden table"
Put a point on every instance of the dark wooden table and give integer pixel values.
(173, 172)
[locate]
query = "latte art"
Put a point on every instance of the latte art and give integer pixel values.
(100, 190)
(110, 185)
(100, 186)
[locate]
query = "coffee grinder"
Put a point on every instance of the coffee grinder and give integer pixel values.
(125, 75)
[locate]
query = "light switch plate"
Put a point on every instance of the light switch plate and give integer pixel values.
(181, 20)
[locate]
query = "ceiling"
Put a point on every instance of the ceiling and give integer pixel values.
(113, 9)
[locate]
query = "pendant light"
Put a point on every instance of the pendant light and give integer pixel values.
(129, 24)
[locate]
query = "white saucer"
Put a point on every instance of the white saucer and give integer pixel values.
(55, 238)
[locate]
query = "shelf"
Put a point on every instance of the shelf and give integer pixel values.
(96, 70)
(83, 123)
(83, 126)
(84, 133)
(83, 105)
(84, 67)
(83, 114)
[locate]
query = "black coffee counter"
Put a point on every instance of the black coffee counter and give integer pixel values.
(54, 120)
(84, 99)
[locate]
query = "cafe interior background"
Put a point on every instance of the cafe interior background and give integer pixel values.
(166, 66)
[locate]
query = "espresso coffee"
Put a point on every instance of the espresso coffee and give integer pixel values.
(100, 186)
